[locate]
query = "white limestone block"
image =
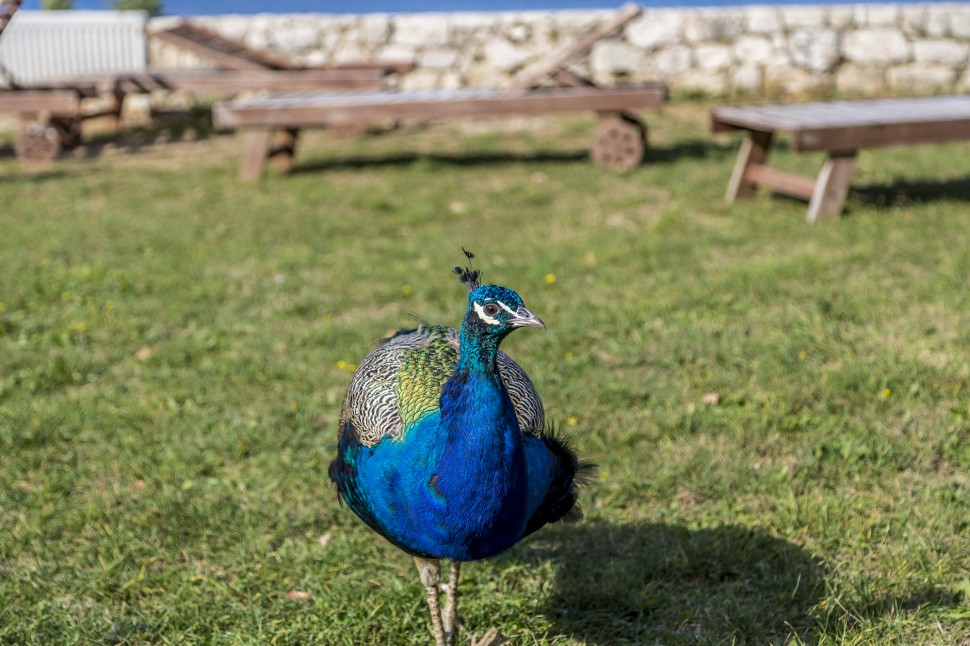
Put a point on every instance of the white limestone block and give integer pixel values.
(419, 79)
(841, 17)
(350, 53)
(963, 85)
(959, 20)
(296, 38)
(420, 29)
(395, 52)
(748, 78)
(816, 48)
(710, 82)
(946, 52)
(911, 20)
(876, 46)
(754, 50)
(672, 61)
(857, 80)
(655, 29)
(503, 55)
(794, 82)
(936, 22)
(882, 15)
(713, 25)
(438, 58)
(609, 57)
(374, 29)
(713, 56)
(762, 20)
(807, 16)
(921, 78)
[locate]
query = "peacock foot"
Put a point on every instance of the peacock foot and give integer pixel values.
(492, 637)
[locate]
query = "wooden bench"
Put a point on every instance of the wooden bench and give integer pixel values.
(839, 128)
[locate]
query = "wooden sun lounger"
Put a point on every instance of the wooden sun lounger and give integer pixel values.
(620, 140)
(232, 54)
(260, 116)
(51, 113)
(839, 128)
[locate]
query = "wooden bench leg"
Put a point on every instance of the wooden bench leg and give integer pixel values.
(832, 186)
(283, 153)
(255, 154)
(754, 151)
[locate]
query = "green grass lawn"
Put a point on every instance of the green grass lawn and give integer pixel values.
(780, 412)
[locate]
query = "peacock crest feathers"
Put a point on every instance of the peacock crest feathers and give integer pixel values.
(401, 380)
(470, 277)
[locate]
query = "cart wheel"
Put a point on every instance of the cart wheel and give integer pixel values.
(38, 141)
(619, 143)
(69, 130)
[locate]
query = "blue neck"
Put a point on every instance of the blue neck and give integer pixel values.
(482, 445)
(478, 352)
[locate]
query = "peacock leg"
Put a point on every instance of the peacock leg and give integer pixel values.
(430, 573)
(449, 616)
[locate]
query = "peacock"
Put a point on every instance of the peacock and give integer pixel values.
(443, 448)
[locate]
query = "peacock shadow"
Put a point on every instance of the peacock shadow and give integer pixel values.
(660, 583)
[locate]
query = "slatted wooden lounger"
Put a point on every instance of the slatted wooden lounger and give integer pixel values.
(51, 112)
(839, 128)
(620, 140)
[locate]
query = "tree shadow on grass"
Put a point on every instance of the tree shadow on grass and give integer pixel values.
(635, 584)
(695, 149)
(903, 192)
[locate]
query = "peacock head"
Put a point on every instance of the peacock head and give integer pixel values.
(493, 311)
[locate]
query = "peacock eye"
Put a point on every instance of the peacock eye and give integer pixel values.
(491, 309)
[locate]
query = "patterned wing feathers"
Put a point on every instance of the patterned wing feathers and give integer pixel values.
(401, 380)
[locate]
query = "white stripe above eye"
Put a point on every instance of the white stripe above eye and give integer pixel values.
(505, 307)
(491, 320)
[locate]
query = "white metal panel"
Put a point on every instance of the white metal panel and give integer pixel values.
(40, 46)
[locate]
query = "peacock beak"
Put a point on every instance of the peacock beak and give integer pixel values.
(525, 318)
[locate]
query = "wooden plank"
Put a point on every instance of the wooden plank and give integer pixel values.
(754, 151)
(322, 110)
(850, 125)
(228, 82)
(255, 153)
(832, 187)
(59, 103)
(781, 181)
(881, 135)
(530, 76)
(216, 48)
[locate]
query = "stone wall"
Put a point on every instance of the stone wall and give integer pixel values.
(761, 51)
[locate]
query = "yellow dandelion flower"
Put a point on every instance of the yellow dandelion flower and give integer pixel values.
(550, 279)
(604, 475)
(406, 289)
(341, 365)
(886, 392)
(572, 420)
